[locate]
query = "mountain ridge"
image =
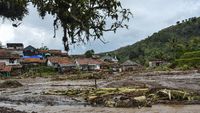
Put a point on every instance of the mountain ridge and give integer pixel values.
(167, 44)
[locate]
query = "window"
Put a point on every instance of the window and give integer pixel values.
(12, 61)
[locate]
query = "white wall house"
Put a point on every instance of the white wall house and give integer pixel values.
(86, 64)
(9, 58)
(10, 62)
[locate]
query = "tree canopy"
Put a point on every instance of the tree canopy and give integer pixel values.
(80, 20)
(89, 53)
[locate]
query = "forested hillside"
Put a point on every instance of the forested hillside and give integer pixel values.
(168, 44)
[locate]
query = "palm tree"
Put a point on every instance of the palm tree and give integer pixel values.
(173, 44)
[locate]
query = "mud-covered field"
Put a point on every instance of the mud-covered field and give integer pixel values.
(31, 98)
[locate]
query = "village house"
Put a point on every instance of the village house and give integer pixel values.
(62, 64)
(157, 63)
(15, 48)
(10, 61)
(130, 66)
(110, 67)
(9, 58)
(5, 70)
(89, 64)
(30, 51)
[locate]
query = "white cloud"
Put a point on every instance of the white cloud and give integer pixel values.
(6, 33)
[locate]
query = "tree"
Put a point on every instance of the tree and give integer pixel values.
(44, 48)
(13, 9)
(194, 44)
(80, 20)
(89, 53)
(1, 45)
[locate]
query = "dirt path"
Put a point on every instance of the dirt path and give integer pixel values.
(81, 109)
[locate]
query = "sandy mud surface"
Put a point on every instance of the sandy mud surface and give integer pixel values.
(30, 96)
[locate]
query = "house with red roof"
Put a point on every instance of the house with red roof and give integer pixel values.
(62, 64)
(9, 58)
(89, 64)
(33, 62)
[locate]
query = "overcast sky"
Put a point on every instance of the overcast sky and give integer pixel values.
(149, 16)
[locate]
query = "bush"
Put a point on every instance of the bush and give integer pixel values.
(163, 68)
(185, 67)
(40, 71)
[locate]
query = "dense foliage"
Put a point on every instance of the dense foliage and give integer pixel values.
(89, 53)
(13, 9)
(79, 19)
(168, 44)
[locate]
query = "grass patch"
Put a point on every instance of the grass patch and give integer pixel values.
(41, 71)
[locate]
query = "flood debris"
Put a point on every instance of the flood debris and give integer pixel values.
(10, 110)
(128, 97)
(10, 84)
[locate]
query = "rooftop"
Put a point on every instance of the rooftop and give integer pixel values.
(33, 60)
(4, 68)
(61, 60)
(86, 61)
(130, 63)
(4, 54)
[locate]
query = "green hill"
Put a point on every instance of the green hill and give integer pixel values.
(168, 44)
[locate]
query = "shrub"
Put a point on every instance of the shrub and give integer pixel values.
(185, 67)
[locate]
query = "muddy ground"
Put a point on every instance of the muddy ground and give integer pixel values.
(30, 96)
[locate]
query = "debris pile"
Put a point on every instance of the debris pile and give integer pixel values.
(10, 110)
(10, 84)
(129, 97)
